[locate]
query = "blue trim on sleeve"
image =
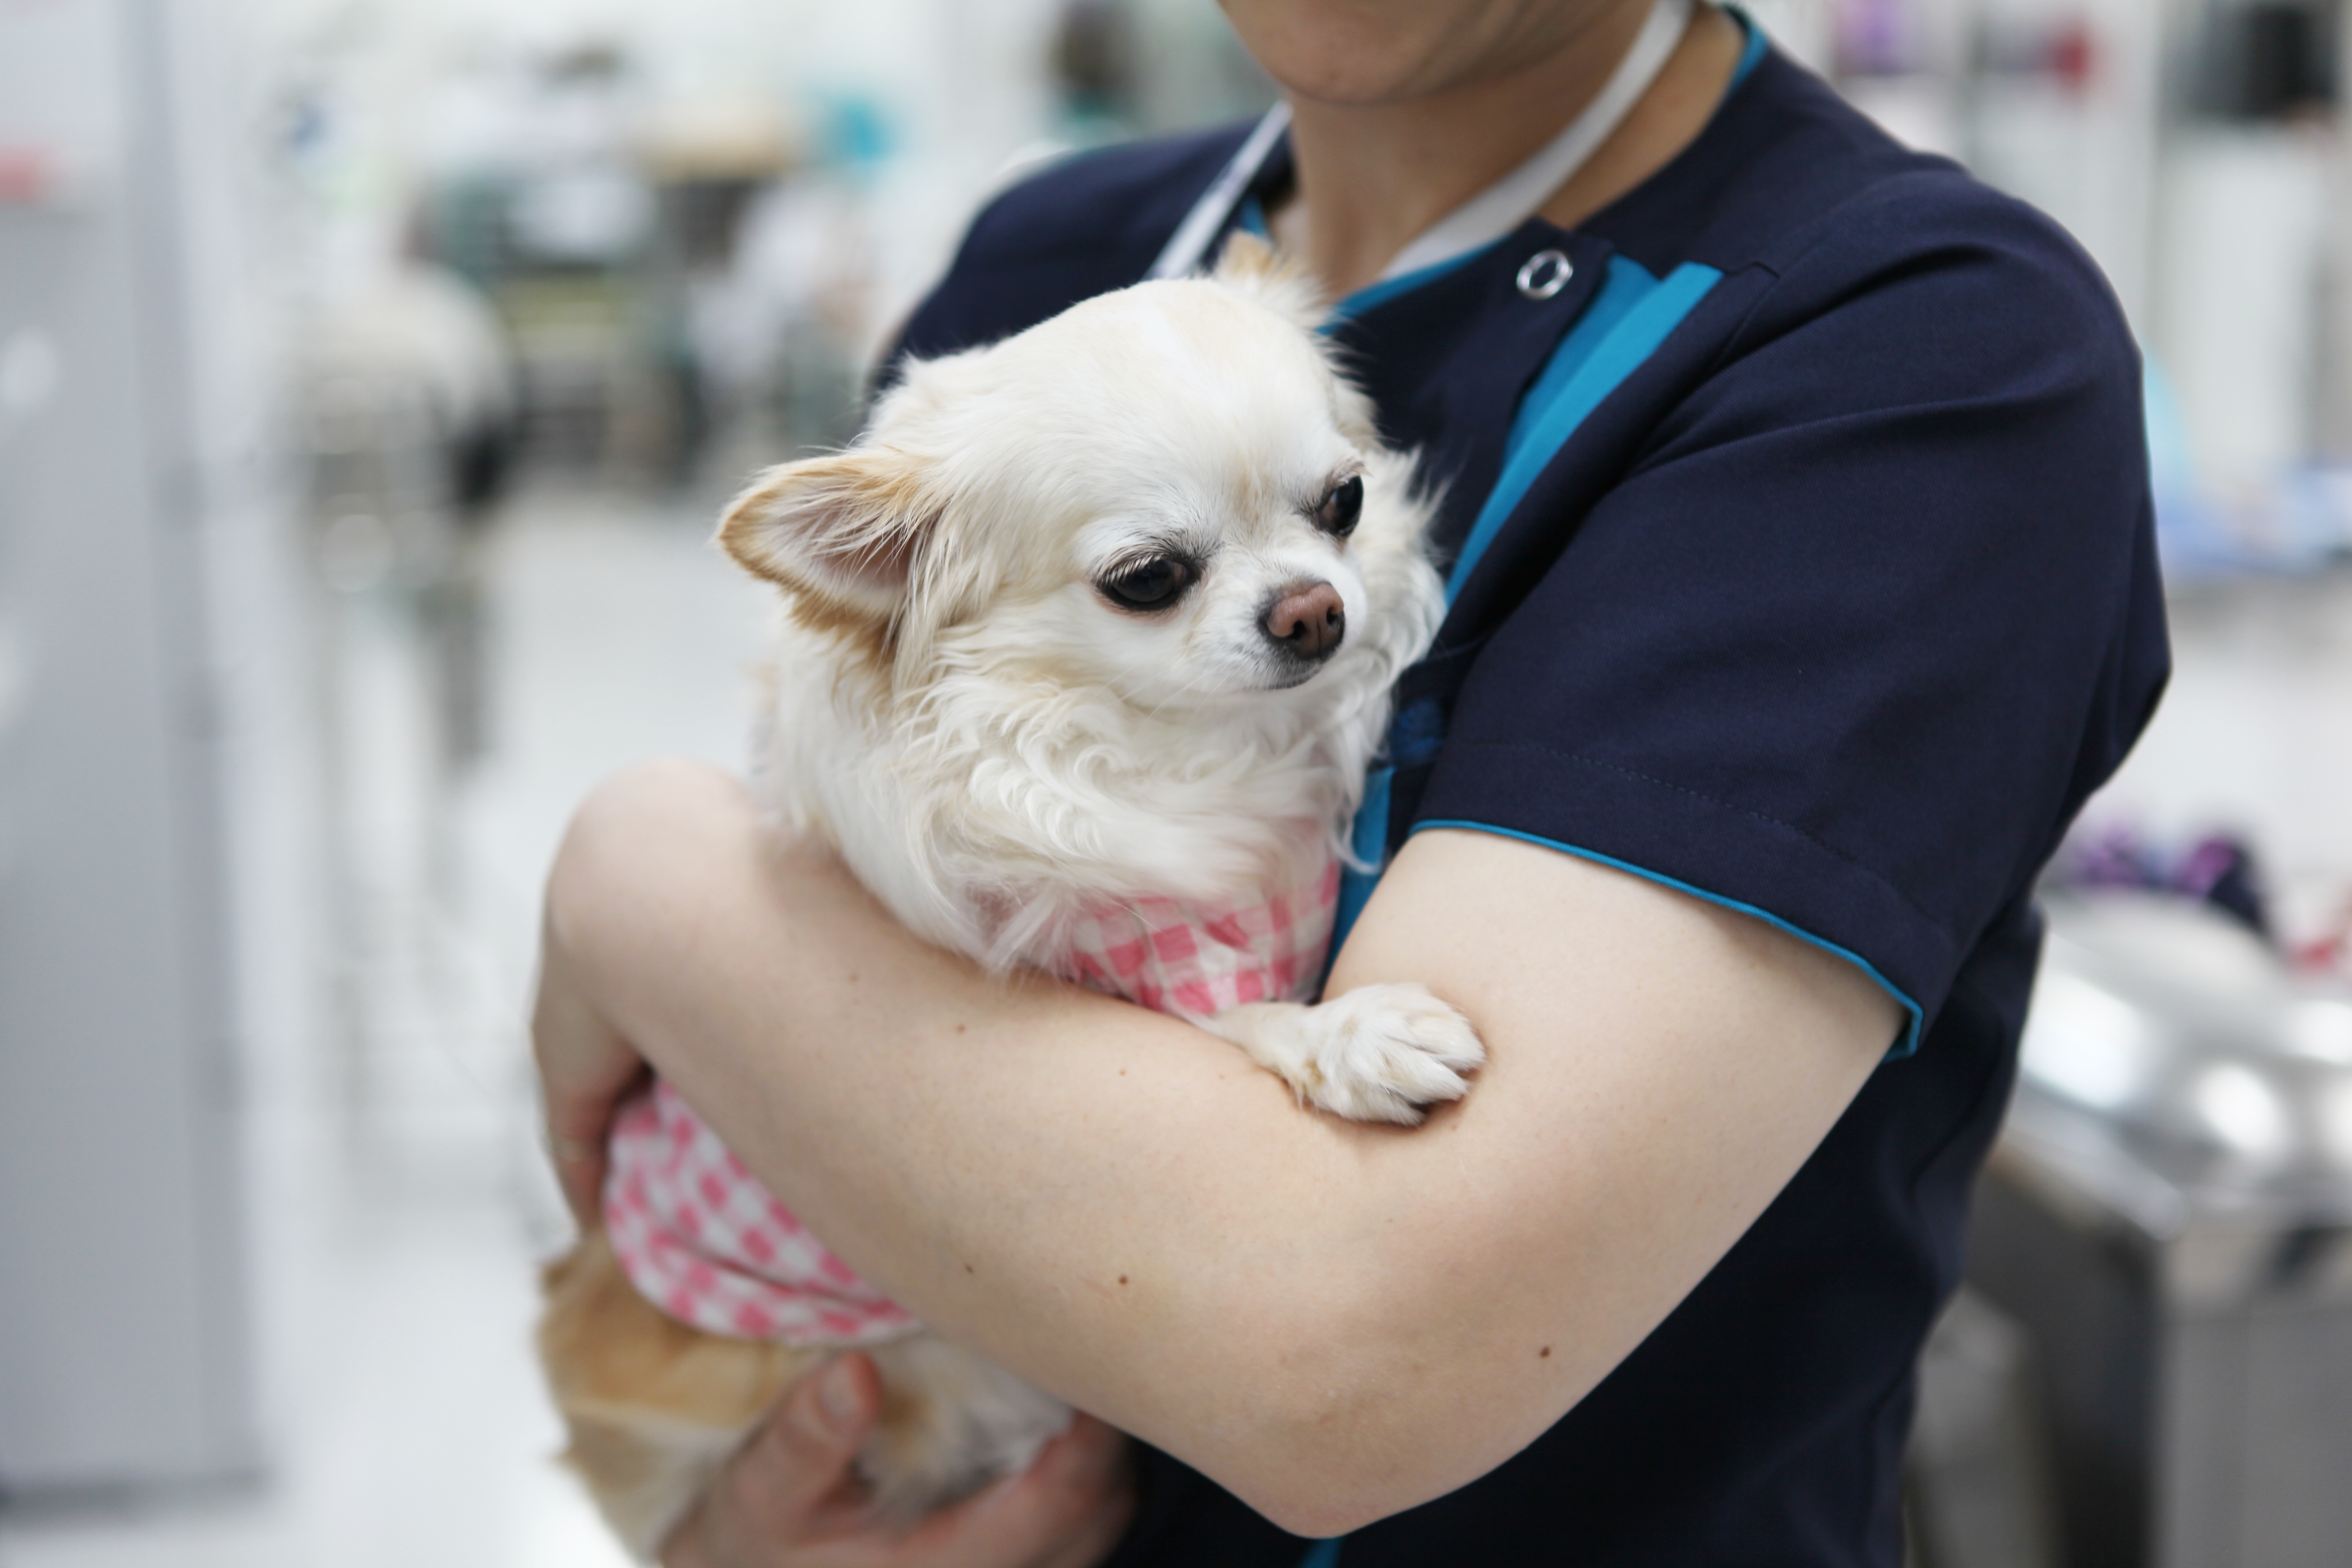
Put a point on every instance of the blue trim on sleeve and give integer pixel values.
(1903, 1048)
(1626, 321)
(1635, 311)
(1631, 315)
(1323, 1553)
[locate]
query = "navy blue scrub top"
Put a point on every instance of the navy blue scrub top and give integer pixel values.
(1802, 560)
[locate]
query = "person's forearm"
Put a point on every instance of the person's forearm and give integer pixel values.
(1333, 1320)
(1107, 1200)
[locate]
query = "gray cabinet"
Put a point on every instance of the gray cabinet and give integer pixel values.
(125, 1330)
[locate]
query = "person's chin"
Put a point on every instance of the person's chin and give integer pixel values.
(1346, 54)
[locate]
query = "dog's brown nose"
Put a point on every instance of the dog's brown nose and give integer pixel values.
(1309, 621)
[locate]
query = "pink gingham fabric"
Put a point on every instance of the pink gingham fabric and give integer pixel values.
(702, 1240)
(1176, 958)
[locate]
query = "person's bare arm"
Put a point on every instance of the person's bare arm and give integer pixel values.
(1334, 1320)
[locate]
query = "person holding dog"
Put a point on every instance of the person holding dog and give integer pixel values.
(1801, 587)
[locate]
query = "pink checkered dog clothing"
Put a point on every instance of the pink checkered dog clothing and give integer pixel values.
(702, 1240)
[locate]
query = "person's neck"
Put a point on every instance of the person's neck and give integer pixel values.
(1371, 179)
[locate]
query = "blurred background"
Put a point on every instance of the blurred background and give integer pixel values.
(369, 374)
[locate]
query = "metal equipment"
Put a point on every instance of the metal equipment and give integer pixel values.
(2169, 1215)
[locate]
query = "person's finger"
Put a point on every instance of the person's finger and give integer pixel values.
(580, 1169)
(1070, 1506)
(579, 1123)
(793, 1484)
(812, 1443)
(577, 1128)
(1080, 1461)
(585, 1070)
(796, 1482)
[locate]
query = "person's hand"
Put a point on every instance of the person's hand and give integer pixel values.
(599, 922)
(586, 1068)
(792, 1499)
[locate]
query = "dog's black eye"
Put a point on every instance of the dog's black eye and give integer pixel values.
(1152, 584)
(1341, 508)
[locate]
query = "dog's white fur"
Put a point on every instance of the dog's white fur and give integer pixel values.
(995, 745)
(1009, 745)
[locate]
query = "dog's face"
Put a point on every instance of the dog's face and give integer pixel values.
(1158, 491)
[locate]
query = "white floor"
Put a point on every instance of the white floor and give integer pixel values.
(412, 1427)
(407, 1206)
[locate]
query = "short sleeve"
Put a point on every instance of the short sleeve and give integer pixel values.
(1871, 614)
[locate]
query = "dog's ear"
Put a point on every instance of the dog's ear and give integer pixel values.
(843, 530)
(1250, 266)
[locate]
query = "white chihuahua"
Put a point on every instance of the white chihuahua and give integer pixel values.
(1085, 647)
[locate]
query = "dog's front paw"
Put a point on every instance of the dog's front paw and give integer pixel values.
(1385, 1053)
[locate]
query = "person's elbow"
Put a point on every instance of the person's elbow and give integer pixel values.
(1339, 1465)
(1355, 1415)
(1320, 1470)
(1334, 1503)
